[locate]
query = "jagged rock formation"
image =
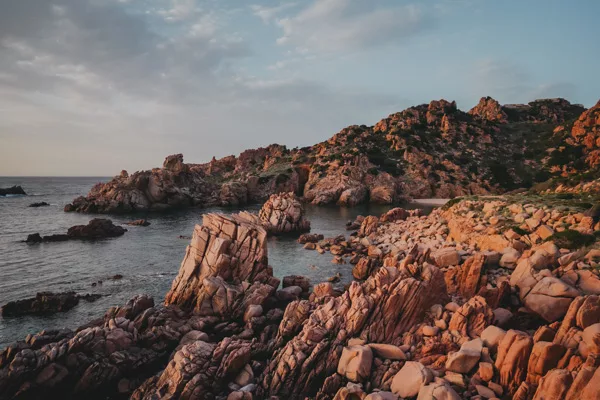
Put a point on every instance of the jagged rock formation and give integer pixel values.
(430, 150)
(377, 311)
(283, 213)
(103, 358)
(484, 298)
(98, 228)
(224, 267)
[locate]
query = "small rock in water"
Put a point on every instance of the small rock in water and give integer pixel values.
(40, 204)
(45, 303)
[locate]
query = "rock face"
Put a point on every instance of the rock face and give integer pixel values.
(14, 190)
(418, 152)
(283, 213)
(45, 303)
(224, 256)
(98, 228)
(377, 311)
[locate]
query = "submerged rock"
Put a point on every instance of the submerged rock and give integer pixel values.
(40, 204)
(138, 222)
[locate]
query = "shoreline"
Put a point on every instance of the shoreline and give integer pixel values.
(448, 275)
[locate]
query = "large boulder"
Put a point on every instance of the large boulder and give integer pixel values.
(550, 298)
(355, 363)
(512, 360)
(466, 358)
(283, 213)
(409, 380)
(225, 262)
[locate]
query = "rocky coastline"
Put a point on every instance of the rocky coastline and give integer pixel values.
(485, 298)
(432, 150)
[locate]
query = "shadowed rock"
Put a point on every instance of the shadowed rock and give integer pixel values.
(97, 228)
(40, 204)
(45, 303)
(14, 190)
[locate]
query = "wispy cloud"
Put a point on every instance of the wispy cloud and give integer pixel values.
(329, 26)
(268, 14)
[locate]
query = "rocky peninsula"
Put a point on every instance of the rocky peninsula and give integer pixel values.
(484, 298)
(426, 151)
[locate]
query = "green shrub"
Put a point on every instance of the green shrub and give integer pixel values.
(571, 239)
(520, 231)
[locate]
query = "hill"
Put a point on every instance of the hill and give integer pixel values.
(430, 150)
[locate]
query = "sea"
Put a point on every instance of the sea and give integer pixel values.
(148, 258)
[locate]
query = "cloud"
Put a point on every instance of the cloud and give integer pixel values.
(268, 14)
(509, 81)
(179, 10)
(330, 26)
(121, 87)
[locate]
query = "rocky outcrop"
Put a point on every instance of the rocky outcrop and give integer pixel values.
(490, 110)
(102, 359)
(98, 228)
(283, 213)
(198, 370)
(377, 311)
(45, 303)
(437, 315)
(586, 131)
(429, 150)
(225, 267)
(173, 186)
(14, 190)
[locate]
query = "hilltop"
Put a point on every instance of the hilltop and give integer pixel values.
(429, 150)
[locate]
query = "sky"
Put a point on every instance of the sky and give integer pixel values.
(91, 87)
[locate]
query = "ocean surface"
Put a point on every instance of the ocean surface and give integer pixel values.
(147, 257)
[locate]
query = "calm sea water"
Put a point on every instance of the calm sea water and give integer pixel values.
(147, 257)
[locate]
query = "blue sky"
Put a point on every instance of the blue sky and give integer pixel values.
(89, 87)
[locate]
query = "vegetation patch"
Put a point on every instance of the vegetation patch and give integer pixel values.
(571, 239)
